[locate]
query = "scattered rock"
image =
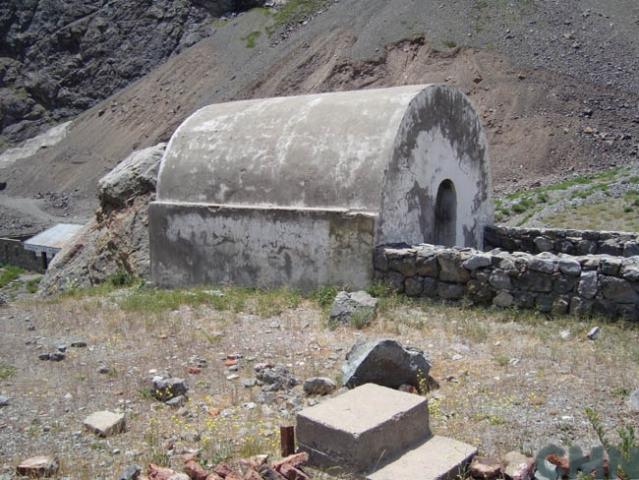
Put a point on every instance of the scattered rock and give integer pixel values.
(4, 401)
(78, 344)
(176, 402)
(384, 362)
(593, 333)
(353, 308)
(485, 468)
(319, 386)
(518, 466)
(276, 378)
(105, 423)
(132, 472)
(103, 369)
(249, 382)
(165, 389)
(41, 466)
(195, 471)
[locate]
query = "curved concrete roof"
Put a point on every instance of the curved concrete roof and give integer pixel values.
(315, 151)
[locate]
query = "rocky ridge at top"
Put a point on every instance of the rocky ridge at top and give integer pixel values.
(59, 58)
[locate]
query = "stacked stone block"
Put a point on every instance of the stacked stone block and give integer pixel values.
(559, 284)
(572, 242)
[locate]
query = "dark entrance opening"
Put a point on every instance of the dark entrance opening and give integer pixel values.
(446, 214)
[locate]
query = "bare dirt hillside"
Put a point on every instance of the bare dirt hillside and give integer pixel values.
(556, 84)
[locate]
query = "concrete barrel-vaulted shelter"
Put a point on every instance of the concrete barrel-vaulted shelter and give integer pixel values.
(298, 191)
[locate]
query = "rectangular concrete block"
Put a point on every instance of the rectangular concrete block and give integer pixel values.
(363, 429)
(439, 458)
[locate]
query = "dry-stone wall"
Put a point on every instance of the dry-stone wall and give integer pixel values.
(572, 242)
(558, 284)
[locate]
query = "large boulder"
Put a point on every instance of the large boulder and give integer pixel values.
(356, 308)
(384, 362)
(116, 241)
(134, 176)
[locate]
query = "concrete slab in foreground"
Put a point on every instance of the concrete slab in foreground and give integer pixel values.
(364, 428)
(439, 458)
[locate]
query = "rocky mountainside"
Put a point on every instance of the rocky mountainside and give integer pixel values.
(59, 58)
(555, 81)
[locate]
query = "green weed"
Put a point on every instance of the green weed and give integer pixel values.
(8, 274)
(6, 371)
(251, 39)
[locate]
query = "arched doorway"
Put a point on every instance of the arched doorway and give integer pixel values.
(446, 214)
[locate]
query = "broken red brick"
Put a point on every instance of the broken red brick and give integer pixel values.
(518, 466)
(233, 476)
(193, 370)
(292, 473)
(213, 476)
(268, 473)
(229, 362)
(195, 471)
(295, 461)
(562, 464)
(160, 473)
(485, 468)
(223, 470)
(252, 475)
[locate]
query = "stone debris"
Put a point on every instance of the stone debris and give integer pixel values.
(4, 401)
(319, 386)
(105, 423)
(132, 472)
(518, 466)
(166, 388)
(253, 468)
(593, 333)
(483, 468)
(53, 357)
(385, 362)
(353, 308)
(276, 378)
(40, 466)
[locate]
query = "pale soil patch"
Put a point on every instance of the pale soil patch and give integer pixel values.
(507, 379)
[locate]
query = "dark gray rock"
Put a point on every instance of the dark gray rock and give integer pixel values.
(384, 362)
(503, 300)
(4, 401)
(402, 261)
(500, 280)
(450, 291)
(132, 472)
(543, 263)
(588, 284)
(319, 386)
(569, 266)
(476, 261)
(356, 307)
(535, 282)
(166, 388)
(618, 290)
(414, 286)
(276, 378)
(451, 269)
(426, 263)
(543, 244)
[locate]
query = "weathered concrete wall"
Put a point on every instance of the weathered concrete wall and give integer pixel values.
(440, 139)
(13, 253)
(559, 284)
(196, 244)
(573, 242)
(279, 172)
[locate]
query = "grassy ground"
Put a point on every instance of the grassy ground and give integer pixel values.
(606, 200)
(508, 380)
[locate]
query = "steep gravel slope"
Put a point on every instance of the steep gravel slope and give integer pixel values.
(59, 58)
